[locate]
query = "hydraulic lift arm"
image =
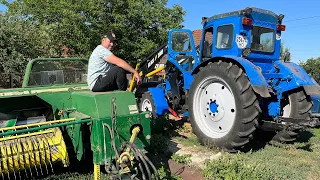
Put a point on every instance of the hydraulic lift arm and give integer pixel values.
(147, 67)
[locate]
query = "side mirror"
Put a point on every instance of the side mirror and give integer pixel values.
(286, 57)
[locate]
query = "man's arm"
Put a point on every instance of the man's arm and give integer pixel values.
(121, 63)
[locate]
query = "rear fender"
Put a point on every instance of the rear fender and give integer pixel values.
(297, 77)
(255, 77)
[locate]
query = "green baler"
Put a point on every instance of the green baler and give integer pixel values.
(55, 104)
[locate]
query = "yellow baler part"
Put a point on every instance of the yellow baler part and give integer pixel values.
(135, 133)
(36, 150)
(96, 172)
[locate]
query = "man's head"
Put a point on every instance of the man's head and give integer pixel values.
(108, 40)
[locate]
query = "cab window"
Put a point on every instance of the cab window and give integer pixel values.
(224, 37)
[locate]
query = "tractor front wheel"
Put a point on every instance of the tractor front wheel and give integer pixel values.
(223, 107)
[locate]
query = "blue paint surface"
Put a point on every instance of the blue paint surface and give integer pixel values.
(213, 107)
(160, 102)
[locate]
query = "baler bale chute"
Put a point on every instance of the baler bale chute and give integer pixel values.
(55, 119)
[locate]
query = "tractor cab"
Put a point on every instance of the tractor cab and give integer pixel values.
(251, 33)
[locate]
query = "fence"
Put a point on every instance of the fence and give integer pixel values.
(11, 80)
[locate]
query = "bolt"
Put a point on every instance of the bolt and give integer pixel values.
(148, 137)
(210, 100)
(210, 114)
(147, 116)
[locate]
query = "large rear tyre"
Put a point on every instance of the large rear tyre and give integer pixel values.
(295, 105)
(223, 107)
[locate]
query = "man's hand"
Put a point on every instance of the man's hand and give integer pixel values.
(138, 78)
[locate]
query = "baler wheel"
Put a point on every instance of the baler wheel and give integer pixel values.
(146, 103)
(223, 107)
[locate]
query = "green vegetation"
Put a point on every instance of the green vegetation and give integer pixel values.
(312, 66)
(182, 159)
(235, 167)
(37, 28)
(164, 174)
(300, 160)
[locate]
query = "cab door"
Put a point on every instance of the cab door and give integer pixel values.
(182, 53)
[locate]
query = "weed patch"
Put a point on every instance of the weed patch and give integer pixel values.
(234, 167)
(164, 174)
(181, 159)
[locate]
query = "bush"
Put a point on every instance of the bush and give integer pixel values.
(234, 167)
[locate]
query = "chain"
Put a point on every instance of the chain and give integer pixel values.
(114, 116)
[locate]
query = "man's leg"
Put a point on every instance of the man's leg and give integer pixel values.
(115, 79)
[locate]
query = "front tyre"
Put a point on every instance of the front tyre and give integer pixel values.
(223, 106)
(295, 105)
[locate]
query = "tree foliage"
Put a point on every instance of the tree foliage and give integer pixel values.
(21, 41)
(312, 66)
(283, 51)
(140, 25)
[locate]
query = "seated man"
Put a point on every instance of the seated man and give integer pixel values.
(107, 72)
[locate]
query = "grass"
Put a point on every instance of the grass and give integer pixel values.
(300, 160)
(72, 176)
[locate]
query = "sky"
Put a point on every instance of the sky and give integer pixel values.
(302, 20)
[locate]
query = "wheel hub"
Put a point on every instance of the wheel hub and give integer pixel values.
(213, 107)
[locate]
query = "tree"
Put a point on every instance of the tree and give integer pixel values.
(21, 41)
(283, 51)
(140, 25)
(312, 66)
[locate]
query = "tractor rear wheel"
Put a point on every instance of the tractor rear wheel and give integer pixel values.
(295, 105)
(223, 107)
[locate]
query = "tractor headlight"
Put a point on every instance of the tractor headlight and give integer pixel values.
(246, 52)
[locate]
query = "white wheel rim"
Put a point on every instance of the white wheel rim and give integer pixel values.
(214, 90)
(146, 105)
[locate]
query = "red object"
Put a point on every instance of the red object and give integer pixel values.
(247, 21)
(281, 27)
(173, 112)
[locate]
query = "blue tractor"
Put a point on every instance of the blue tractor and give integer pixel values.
(233, 83)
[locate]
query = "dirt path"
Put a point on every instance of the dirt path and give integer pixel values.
(184, 171)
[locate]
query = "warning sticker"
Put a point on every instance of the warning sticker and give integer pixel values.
(242, 41)
(133, 107)
(278, 36)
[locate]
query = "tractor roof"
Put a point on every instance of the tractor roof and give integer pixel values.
(253, 11)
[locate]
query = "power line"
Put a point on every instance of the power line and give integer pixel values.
(306, 25)
(298, 19)
(305, 50)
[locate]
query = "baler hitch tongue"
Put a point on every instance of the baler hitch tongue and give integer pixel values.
(125, 157)
(131, 155)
